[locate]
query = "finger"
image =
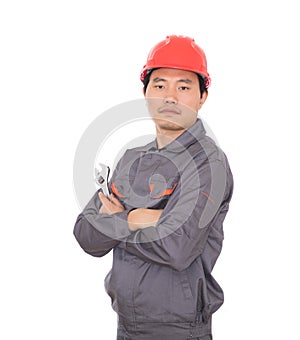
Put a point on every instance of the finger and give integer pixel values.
(100, 195)
(115, 200)
(106, 204)
(103, 198)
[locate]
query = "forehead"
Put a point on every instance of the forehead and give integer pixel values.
(173, 74)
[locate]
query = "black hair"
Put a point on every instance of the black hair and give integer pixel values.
(201, 79)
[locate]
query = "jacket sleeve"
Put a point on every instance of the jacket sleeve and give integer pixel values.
(98, 233)
(198, 202)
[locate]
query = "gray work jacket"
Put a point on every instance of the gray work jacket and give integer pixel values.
(160, 283)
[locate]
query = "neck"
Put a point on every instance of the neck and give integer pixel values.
(164, 137)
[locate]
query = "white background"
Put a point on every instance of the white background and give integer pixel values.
(62, 64)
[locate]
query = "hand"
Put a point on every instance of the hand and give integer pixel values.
(110, 206)
(143, 218)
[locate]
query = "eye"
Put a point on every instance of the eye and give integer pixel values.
(159, 87)
(183, 88)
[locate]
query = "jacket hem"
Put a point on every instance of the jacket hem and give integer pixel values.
(162, 331)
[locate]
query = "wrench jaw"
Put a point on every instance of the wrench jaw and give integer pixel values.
(101, 177)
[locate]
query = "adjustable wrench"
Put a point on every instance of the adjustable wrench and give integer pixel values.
(101, 177)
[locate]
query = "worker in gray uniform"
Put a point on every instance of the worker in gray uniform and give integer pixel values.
(164, 215)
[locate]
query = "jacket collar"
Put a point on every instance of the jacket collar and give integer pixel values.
(181, 143)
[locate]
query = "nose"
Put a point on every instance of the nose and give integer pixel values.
(170, 101)
(170, 98)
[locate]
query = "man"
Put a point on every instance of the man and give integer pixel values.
(164, 216)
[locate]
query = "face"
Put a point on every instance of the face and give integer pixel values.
(173, 98)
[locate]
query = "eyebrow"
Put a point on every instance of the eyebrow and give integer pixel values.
(184, 80)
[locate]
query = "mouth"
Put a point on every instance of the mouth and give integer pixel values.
(169, 111)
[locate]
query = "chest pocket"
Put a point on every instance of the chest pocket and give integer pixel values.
(159, 186)
(121, 187)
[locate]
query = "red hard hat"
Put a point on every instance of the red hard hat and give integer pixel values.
(177, 52)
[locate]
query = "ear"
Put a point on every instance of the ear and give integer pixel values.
(202, 99)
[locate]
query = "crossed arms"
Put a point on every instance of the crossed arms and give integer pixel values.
(137, 219)
(172, 236)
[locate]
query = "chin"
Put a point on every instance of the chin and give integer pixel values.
(168, 124)
(174, 123)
